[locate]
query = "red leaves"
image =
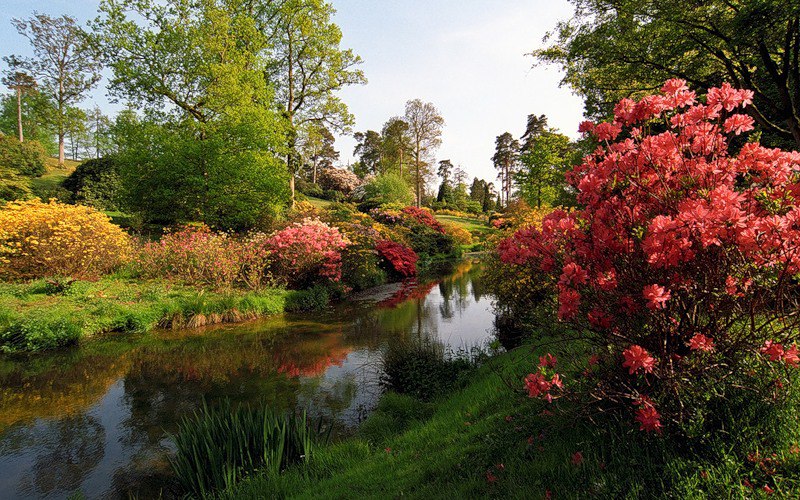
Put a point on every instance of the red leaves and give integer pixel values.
(403, 259)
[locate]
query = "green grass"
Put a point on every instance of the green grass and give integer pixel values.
(488, 440)
(55, 175)
(318, 202)
(33, 318)
(477, 227)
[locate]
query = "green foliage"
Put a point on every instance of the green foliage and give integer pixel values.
(611, 50)
(36, 316)
(95, 183)
(37, 118)
(229, 180)
(422, 369)
(24, 158)
(540, 180)
(218, 446)
(315, 298)
(12, 185)
(39, 330)
(361, 269)
(214, 156)
(387, 189)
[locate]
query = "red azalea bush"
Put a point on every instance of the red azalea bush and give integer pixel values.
(402, 258)
(682, 262)
(192, 254)
(423, 216)
(307, 251)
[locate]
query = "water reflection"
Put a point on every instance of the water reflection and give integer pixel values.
(95, 419)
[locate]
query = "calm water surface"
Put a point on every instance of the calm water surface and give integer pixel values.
(94, 420)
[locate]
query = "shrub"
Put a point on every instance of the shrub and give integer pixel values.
(195, 255)
(461, 235)
(216, 447)
(12, 185)
(421, 369)
(306, 252)
(402, 259)
(386, 189)
(681, 263)
(25, 158)
(423, 216)
(338, 179)
(96, 183)
(315, 298)
(52, 239)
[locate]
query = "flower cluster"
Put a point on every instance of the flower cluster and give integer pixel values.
(687, 235)
(423, 216)
(52, 239)
(307, 250)
(193, 254)
(540, 384)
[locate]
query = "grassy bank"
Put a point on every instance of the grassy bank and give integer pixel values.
(488, 440)
(47, 314)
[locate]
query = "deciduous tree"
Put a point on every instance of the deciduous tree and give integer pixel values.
(64, 64)
(425, 131)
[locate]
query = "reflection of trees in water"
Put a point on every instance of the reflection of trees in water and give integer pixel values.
(64, 455)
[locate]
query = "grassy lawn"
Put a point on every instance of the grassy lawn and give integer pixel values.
(39, 315)
(54, 176)
(318, 202)
(487, 440)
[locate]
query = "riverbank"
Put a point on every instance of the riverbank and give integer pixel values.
(48, 314)
(486, 439)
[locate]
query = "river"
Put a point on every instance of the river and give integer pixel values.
(95, 419)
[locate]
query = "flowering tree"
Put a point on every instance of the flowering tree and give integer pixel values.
(681, 264)
(306, 251)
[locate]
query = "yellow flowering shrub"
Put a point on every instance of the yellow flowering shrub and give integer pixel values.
(53, 239)
(461, 235)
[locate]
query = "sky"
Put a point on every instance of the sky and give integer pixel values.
(467, 57)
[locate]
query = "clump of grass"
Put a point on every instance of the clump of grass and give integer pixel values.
(315, 298)
(216, 447)
(424, 369)
(42, 331)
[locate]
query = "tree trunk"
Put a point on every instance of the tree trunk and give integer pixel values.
(61, 149)
(401, 162)
(19, 113)
(419, 180)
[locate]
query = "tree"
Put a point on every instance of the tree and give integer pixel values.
(207, 147)
(425, 131)
(396, 144)
(100, 128)
(614, 49)
(307, 66)
(21, 83)
(445, 188)
(369, 149)
(488, 197)
(316, 148)
(37, 118)
(77, 132)
(64, 64)
(505, 160)
(534, 127)
(540, 177)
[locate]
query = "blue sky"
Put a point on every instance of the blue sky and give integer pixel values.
(468, 57)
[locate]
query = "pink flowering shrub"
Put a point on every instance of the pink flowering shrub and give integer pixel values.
(193, 255)
(681, 265)
(306, 252)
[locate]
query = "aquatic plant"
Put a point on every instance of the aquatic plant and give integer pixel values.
(218, 446)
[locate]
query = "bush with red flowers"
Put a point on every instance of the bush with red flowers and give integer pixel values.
(402, 259)
(682, 264)
(423, 216)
